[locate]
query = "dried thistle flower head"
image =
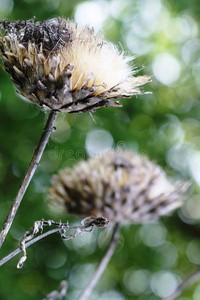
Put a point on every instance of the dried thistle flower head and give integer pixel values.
(61, 66)
(120, 185)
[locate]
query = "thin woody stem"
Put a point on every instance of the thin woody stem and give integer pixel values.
(187, 282)
(36, 239)
(29, 174)
(87, 225)
(58, 294)
(102, 265)
(18, 250)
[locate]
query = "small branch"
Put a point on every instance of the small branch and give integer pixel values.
(29, 174)
(102, 265)
(87, 225)
(18, 250)
(58, 294)
(187, 282)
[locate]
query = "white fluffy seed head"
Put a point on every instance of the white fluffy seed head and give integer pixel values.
(65, 67)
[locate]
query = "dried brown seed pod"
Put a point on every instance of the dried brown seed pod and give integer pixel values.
(119, 185)
(58, 65)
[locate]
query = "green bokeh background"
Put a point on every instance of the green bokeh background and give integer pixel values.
(151, 259)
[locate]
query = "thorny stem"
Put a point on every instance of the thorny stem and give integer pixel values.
(29, 174)
(187, 282)
(102, 265)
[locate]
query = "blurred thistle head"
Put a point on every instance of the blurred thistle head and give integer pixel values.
(119, 185)
(60, 66)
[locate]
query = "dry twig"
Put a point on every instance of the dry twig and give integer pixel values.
(29, 174)
(58, 294)
(102, 265)
(187, 282)
(87, 225)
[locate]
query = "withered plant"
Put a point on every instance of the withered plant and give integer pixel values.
(60, 66)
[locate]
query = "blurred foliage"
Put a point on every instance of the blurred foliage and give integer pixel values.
(151, 259)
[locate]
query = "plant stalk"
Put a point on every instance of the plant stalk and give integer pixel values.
(29, 174)
(38, 238)
(102, 265)
(187, 282)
